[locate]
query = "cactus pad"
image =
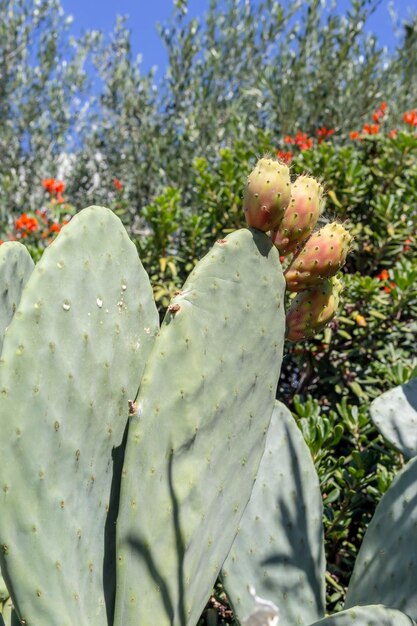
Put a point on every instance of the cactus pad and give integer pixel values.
(195, 443)
(279, 548)
(371, 615)
(16, 266)
(394, 413)
(386, 566)
(72, 359)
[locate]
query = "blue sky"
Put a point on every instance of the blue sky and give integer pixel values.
(144, 14)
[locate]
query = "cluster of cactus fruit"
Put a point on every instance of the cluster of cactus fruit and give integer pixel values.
(138, 463)
(291, 212)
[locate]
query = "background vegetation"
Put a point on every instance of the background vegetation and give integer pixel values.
(81, 124)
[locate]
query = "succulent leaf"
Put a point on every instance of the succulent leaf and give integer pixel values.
(196, 441)
(394, 413)
(279, 548)
(16, 266)
(72, 359)
(386, 566)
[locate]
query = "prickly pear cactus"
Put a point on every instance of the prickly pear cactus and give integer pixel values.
(198, 434)
(279, 548)
(72, 358)
(394, 413)
(386, 567)
(371, 615)
(16, 266)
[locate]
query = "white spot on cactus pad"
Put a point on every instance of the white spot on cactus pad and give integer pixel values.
(265, 613)
(99, 302)
(66, 305)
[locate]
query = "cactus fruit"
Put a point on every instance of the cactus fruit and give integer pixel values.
(72, 359)
(301, 216)
(394, 413)
(312, 309)
(16, 266)
(321, 257)
(279, 548)
(196, 440)
(267, 194)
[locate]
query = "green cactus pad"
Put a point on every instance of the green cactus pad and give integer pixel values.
(279, 548)
(72, 359)
(16, 266)
(394, 413)
(195, 444)
(386, 567)
(371, 615)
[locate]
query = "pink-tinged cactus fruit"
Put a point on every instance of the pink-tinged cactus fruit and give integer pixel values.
(300, 218)
(267, 194)
(323, 254)
(312, 309)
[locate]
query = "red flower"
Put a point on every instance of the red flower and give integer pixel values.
(286, 157)
(59, 187)
(383, 275)
(392, 133)
(55, 228)
(371, 129)
(118, 184)
(323, 132)
(354, 134)
(410, 117)
(407, 245)
(26, 224)
(49, 184)
(54, 187)
(388, 288)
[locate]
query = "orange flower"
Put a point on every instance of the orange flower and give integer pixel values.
(407, 245)
(410, 117)
(388, 288)
(392, 133)
(49, 184)
(118, 184)
(360, 320)
(55, 228)
(59, 187)
(26, 224)
(354, 134)
(60, 198)
(324, 132)
(371, 129)
(284, 156)
(383, 275)
(288, 139)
